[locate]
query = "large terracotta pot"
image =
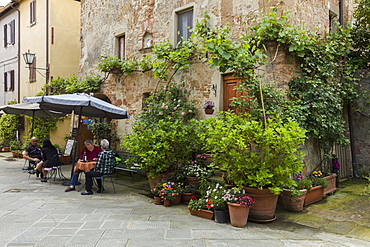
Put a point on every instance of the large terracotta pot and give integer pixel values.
(263, 210)
(6, 149)
(238, 214)
(156, 180)
(186, 197)
(314, 195)
(293, 204)
(332, 179)
(194, 181)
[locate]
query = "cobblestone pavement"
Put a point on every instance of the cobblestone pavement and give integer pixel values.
(42, 214)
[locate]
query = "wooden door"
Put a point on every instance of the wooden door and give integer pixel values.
(229, 84)
(84, 134)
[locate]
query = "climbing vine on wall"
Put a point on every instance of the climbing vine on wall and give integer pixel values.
(315, 99)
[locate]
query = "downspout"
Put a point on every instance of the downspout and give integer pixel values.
(47, 43)
(352, 142)
(341, 13)
(19, 52)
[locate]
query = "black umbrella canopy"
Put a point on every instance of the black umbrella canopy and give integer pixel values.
(81, 103)
(32, 110)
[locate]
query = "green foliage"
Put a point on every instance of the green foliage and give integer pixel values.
(43, 126)
(108, 63)
(167, 146)
(169, 103)
(15, 145)
(255, 156)
(71, 85)
(8, 127)
(104, 130)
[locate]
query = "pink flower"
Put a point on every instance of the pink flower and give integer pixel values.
(183, 113)
(175, 108)
(190, 111)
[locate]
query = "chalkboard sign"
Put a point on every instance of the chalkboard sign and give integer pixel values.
(69, 147)
(74, 132)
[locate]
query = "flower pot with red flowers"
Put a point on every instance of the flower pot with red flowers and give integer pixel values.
(200, 206)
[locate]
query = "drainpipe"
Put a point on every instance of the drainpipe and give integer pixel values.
(341, 13)
(47, 43)
(19, 51)
(352, 141)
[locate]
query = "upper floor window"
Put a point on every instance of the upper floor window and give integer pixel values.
(9, 33)
(9, 81)
(33, 12)
(184, 24)
(333, 18)
(121, 47)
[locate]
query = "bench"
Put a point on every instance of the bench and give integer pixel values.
(123, 165)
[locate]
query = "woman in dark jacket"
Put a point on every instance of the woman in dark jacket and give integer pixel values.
(50, 158)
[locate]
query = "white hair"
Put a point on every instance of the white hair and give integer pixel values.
(104, 144)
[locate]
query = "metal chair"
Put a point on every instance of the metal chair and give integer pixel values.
(56, 168)
(102, 182)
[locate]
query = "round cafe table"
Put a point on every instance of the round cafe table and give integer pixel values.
(84, 166)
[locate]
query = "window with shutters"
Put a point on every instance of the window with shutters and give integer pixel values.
(33, 71)
(9, 34)
(121, 47)
(184, 24)
(9, 81)
(33, 12)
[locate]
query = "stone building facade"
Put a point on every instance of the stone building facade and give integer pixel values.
(138, 24)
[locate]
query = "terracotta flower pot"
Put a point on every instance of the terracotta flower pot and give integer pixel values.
(293, 204)
(176, 201)
(6, 149)
(157, 200)
(206, 214)
(154, 181)
(209, 111)
(332, 179)
(186, 197)
(193, 212)
(194, 181)
(166, 203)
(238, 214)
(263, 210)
(314, 195)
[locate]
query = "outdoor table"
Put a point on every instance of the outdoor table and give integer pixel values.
(85, 166)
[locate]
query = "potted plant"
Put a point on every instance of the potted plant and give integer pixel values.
(316, 193)
(239, 203)
(293, 199)
(209, 107)
(201, 208)
(15, 147)
(215, 194)
(187, 193)
(259, 157)
(195, 169)
(168, 193)
(156, 193)
(110, 64)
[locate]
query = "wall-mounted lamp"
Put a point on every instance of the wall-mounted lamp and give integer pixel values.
(214, 89)
(29, 58)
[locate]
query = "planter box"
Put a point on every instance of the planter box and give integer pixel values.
(314, 195)
(202, 213)
(332, 179)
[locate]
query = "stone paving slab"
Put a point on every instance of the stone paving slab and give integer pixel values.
(42, 214)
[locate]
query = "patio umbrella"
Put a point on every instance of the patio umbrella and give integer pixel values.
(30, 109)
(81, 104)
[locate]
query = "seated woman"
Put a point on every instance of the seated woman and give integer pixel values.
(91, 152)
(50, 158)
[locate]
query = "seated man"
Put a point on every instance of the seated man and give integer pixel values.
(105, 165)
(91, 151)
(33, 153)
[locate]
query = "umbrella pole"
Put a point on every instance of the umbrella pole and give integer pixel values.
(32, 124)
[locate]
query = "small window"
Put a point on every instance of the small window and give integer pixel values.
(122, 47)
(33, 13)
(184, 24)
(33, 71)
(333, 18)
(9, 34)
(9, 81)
